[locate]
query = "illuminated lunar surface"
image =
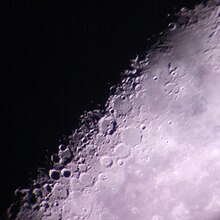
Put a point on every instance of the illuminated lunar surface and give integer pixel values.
(154, 153)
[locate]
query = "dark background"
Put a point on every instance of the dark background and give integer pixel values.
(60, 59)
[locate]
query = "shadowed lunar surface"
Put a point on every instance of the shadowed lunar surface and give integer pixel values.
(154, 153)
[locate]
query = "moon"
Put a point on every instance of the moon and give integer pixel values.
(154, 152)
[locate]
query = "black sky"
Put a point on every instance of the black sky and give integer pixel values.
(60, 58)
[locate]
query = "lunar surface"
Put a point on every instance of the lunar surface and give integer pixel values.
(153, 153)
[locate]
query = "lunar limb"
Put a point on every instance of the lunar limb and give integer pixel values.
(153, 154)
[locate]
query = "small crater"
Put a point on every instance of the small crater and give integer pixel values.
(65, 172)
(62, 147)
(54, 174)
(142, 127)
(107, 125)
(122, 150)
(106, 161)
(155, 78)
(172, 26)
(102, 176)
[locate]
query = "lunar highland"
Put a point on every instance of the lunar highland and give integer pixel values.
(153, 153)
